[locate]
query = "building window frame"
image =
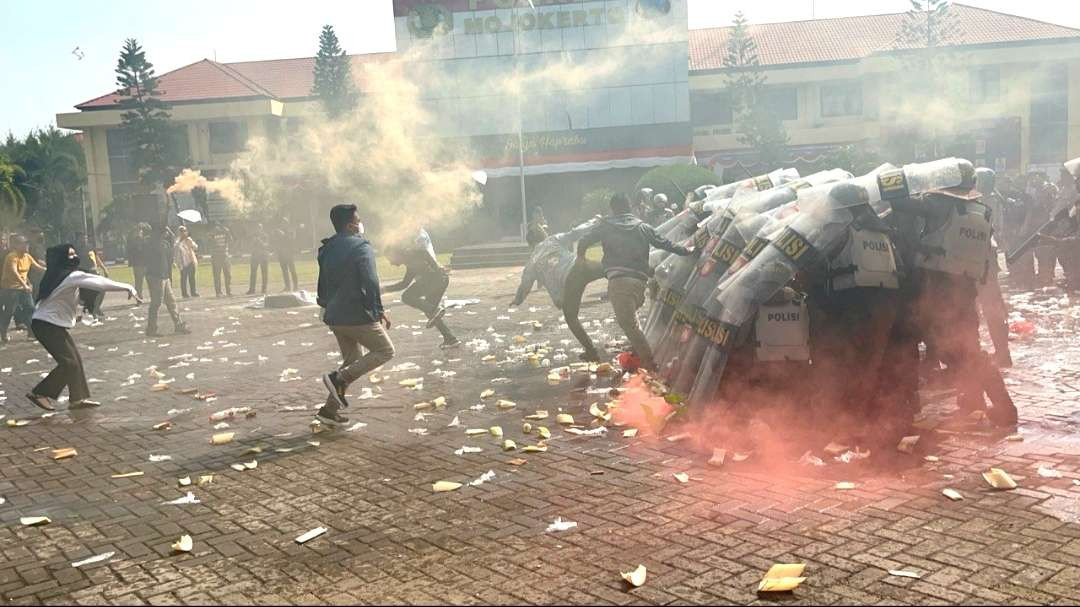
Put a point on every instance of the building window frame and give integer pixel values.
(842, 99)
(986, 84)
(227, 137)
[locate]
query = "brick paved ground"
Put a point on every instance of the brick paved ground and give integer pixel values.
(392, 540)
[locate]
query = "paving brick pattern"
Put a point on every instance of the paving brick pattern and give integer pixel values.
(391, 539)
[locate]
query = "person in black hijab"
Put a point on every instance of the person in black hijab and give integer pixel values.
(54, 317)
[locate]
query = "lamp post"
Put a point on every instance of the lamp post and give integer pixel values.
(520, 129)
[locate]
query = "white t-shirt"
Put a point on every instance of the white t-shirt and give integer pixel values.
(60, 307)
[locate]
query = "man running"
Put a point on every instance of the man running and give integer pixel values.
(626, 241)
(428, 279)
(553, 266)
(349, 292)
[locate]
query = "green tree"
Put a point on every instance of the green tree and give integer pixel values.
(757, 125)
(333, 76)
(155, 141)
(12, 200)
(54, 170)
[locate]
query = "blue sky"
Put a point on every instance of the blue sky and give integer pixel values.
(42, 76)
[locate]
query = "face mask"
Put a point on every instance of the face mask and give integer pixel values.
(73, 262)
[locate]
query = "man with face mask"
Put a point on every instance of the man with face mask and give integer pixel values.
(349, 293)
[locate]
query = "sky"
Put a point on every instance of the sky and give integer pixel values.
(44, 75)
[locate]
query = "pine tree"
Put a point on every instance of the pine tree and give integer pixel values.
(757, 126)
(333, 75)
(928, 24)
(933, 97)
(146, 119)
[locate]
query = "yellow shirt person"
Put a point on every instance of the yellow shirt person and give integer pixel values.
(16, 271)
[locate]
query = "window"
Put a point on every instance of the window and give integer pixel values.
(227, 137)
(710, 107)
(783, 102)
(121, 163)
(843, 99)
(1049, 114)
(985, 84)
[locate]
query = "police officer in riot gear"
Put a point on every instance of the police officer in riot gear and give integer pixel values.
(954, 256)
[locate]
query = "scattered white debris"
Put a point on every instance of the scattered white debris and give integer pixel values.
(560, 525)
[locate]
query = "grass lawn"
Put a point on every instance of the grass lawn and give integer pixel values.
(306, 270)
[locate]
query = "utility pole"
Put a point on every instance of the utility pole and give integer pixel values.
(520, 128)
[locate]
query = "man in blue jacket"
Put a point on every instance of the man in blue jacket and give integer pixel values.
(626, 241)
(349, 293)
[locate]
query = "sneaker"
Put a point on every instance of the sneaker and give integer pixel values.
(331, 418)
(41, 401)
(336, 388)
(436, 316)
(84, 403)
(446, 345)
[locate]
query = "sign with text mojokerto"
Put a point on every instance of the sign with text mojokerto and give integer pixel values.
(587, 72)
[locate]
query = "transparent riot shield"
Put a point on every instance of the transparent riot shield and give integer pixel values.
(825, 212)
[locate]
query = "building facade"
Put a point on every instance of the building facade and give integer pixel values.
(1014, 90)
(833, 81)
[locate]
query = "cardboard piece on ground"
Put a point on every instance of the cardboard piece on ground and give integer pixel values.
(636, 577)
(94, 559)
(222, 438)
(907, 444)
(782, 578)
(952, 494)
(999, 479)
(64, 453)
(184, 544)
(310, 535)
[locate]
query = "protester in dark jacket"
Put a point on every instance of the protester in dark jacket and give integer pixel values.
(429, 281)
(159, 263)
(626, 241)
(349, 292)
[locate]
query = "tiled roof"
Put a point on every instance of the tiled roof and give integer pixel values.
(844, 38)
(206, 79)
(851, 38)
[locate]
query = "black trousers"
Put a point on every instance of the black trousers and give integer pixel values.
(69, 367)
(220, 264)
(425, 295)
(258, 263)
(288, 270)
(187, 280)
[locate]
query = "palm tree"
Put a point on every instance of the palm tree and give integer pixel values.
(12, 201)
(54, 166)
